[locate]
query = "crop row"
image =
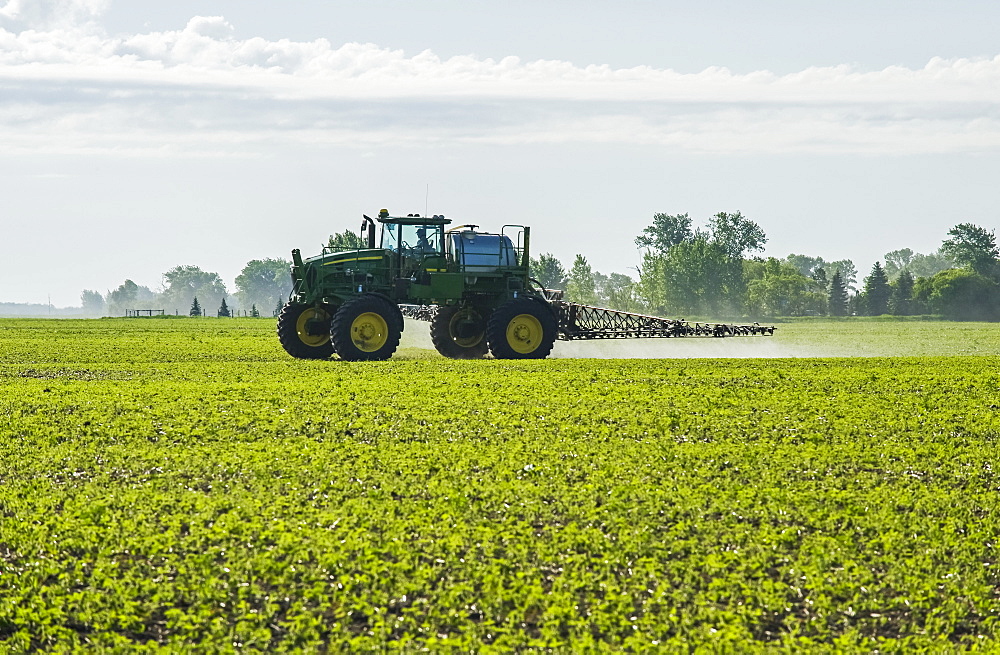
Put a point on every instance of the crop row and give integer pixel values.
(234, 498)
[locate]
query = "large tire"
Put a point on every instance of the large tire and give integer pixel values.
(366, 328)
(459, 332)
(304, 331)
(522, 328)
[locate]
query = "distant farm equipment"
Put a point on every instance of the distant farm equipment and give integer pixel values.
(474, 288)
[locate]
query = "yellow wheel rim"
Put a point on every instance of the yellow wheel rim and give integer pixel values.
(465, 342)
(369, 332)
(524, 333)
(300, 327)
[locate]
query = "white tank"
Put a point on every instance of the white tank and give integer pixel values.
(481, 253)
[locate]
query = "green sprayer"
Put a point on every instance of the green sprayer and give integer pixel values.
(474, 287)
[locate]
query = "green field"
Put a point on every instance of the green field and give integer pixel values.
(183, 483)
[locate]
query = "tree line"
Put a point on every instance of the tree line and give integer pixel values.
(262, 288)
(685, 270)
(713, 271)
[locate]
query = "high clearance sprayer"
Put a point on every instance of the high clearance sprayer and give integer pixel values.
(474, 287)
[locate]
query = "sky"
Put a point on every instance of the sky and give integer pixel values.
(135, 137)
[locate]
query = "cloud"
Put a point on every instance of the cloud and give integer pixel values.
(71, 87)
(46, 14)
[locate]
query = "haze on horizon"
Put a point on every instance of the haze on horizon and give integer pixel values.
(136, 138)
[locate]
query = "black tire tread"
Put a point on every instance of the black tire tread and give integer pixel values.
(443, 340)
(496, 331)
(340, 328)
(288, 335)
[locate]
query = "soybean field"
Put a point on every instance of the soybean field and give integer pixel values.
(183, 484)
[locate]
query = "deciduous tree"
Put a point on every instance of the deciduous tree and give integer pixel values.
(580, 286)
(667, 231)
(973, 247)
(736, 235)
(92, 302)
(617, 291)
(896, 261)
(777, 288)
(549, 271)
(346, 240)
(960, 294)
(264, 282)
(182, 283)
(127, 296)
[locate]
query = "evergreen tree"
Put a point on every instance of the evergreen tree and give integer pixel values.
(278, 307)
(901, 301)
(877, 291)
(224, 309)
(195, 307)
(838, 296)
(253, 312)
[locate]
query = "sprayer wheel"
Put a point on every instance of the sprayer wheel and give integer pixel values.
(366, 328)
(304, 331)
(459, 332)
(523, 328)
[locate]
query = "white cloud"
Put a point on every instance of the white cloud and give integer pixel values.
(200, 89)
(46, 14)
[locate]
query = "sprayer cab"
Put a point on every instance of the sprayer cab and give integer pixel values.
(413, 235)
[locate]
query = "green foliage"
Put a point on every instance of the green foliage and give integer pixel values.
(667, 231)
(929, 265)
(185, 282)
(805, 264)
(822, 270)
(92, 302)
(777, 288)
(877, 292)
(897, 261)
(736, 235)
(693, 277)
(580, 284)
(264, 282)
(697, 272)
(182, 486)
(253, 312)
(960, 294)
(901, 300)
(195, 308)
(973, 247)
(127, 296)
(617, 291)
(224, 310)
(848, 272)
(917, 264)
(837, 295)
(548, 271)
(345, 240)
